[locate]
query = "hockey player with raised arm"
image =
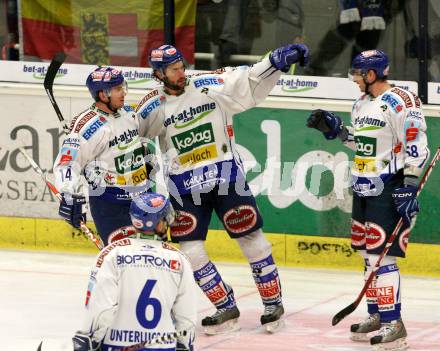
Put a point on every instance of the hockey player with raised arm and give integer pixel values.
(388, 134)
(192, 116)
(140, 288)
(104, 145)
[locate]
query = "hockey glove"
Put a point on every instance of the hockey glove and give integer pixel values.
(182, 347)
(72, 209)
(283, 57)
(326, 122)
(83, 342)
(405, 199)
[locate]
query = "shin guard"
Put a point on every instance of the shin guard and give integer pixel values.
(266, 278)
(212, 284)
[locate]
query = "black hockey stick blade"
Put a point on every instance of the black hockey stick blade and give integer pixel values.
(54, 66)
(343, 313)
(51, 73)
(39, 346)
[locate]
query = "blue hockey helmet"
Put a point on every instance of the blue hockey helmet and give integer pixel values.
(148, 209)
(162, 57)
(370, 60)
(103, 79)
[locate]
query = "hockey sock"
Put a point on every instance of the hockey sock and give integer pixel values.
(387, 289)
(370, 294)
(212, 284)
(266, 278)
(259, 253)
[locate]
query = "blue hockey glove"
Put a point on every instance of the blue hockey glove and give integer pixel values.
(283, 57)
(72, 209)
(83, 342)
(405, 199)
(326, 122)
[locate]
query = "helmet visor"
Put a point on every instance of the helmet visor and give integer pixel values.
(123, 87)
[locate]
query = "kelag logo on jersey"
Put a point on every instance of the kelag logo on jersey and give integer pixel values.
(91, 130)
(208, 81)
(365, 146)
(193, 138)
(188, 117)
(130, 162)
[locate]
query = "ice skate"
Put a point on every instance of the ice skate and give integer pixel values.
(391, 337)
(360, 330)
(271, 319)
(225, 320)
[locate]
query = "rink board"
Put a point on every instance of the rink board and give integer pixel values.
(288, 249)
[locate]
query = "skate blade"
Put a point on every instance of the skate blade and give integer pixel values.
(359, 337)
(397, 345)
(224, 328)
(273, 327)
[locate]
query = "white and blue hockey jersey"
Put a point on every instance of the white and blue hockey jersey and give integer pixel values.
(388, 134)
(195, 130)
(107, 149)
(140, 289)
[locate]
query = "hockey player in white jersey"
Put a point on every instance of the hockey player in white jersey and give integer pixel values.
(140, 288)
(104, 145)
(388, 134)
(193, 115)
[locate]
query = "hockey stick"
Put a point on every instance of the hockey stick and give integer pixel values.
(159, 340)
(96, 240)
(51, 73)
(350, 308)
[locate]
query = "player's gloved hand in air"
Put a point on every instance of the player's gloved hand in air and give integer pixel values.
(83, 342)
(72, 209)
(283, 57)
(405, 199)
(328, 123)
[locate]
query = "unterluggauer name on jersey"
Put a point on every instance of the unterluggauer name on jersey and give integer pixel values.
(133, 336)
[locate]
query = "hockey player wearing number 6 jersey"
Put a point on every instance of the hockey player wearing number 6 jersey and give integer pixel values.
(388, 134)
(104, 145)
(192, 116)
(140, 288)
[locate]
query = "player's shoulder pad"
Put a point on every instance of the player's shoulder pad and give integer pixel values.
(405, 96)
(207, 80)
(93, 126)
(109, 248)
(150, 102)
(167, 246)
(393, 100)
(80, 119)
